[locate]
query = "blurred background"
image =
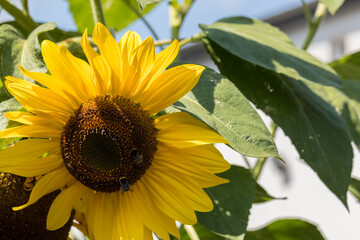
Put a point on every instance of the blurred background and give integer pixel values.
(306, 196)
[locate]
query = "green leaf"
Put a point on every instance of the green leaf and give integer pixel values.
(232, 203)
(144, 3)
(118, 15)
(262, 196)
(15, 49)
(266, 46)
(354, 188)
(202, 232)
(332, 5)
(346, 101)
(348, 67)
(318, 132)
(8, 106)
(216, 101)
(286, 229)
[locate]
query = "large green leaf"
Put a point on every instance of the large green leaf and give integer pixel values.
(216, 101)
(286, 229)
(15, 49)
(144, 3)
(232, 202)
(348, 67)
(346, 101)
(262, 196)
(332, 5)
(117, 13)
(318, 132)
(266, 46)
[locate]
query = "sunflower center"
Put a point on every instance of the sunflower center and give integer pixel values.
(108, 143)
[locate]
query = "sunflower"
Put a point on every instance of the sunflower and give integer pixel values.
(130, 172)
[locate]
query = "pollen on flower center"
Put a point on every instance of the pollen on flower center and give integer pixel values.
(108, 143)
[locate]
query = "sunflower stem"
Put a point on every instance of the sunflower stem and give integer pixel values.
(25, 6)
(195, 38)
(147, 24)
(260, 162)
(21, 17)
(314, 23)
(190, 230)
(97, 11)
(177, 14)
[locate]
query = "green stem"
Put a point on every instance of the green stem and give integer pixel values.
(260, 162)
(354, 191)
(147, 24)
(191, 232)
(313, 23)
(25, 5)
(163, 42)
(185, 41)
(20, 17)
(97, 11)
(177, 15)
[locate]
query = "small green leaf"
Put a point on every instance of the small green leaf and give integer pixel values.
(15, 49)
(286, 229)
(216, 101)
(118, 15)
(262, 196)
(144, 3)
(202, 232)
(318, 132)
(266, 46)
(348, 67)
(232, 203)
(332, 5)
(354, 188)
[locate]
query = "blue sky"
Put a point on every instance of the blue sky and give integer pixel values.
(203, 11)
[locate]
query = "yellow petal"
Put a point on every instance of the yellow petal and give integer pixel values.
(26, 150)
(184, 186)
(36, 167)
(74, 73)
(110, 51)
(174, 206)
(55, 84)
(154, 219)
(60, 209)
(170, 86)
(30, 131)
(181, 130)
(142, 63)
(35, 98)
(45, 120)
(101, 69)
(203, 156)
(127, 45)
(47, 184)
(148, 234)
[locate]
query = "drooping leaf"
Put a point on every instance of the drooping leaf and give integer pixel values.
(286, 229)
(201, 232)
(144, 3)
(7, 106)
(118, 15)
(318, 132)
(216, 101)
(266, 46)
(347, 102)
(348, 67)
(332, 5)
(232, 202)
(15, 49)
(262, 196)
(354, 188)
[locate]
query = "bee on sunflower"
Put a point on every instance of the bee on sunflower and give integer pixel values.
(131, 173)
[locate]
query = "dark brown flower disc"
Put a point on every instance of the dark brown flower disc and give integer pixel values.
(30, 222)
(108, 143)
